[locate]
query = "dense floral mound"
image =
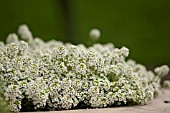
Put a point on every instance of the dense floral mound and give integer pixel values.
(39, 75)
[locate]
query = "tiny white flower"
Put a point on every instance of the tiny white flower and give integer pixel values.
(95, 34)
(25, 33)
(12, 38)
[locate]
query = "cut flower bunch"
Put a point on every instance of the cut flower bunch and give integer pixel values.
(38, 75)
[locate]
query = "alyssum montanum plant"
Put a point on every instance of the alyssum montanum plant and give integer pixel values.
(38, 75)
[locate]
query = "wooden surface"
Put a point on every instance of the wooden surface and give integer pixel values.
(156, 106)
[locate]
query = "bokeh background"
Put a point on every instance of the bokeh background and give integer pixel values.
(141, 25)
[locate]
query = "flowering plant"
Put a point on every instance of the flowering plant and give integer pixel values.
(38, 75)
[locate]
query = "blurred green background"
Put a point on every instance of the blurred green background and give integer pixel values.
(141, 25)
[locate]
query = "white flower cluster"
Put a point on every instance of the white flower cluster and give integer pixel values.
(94, 34)
(52, 75)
